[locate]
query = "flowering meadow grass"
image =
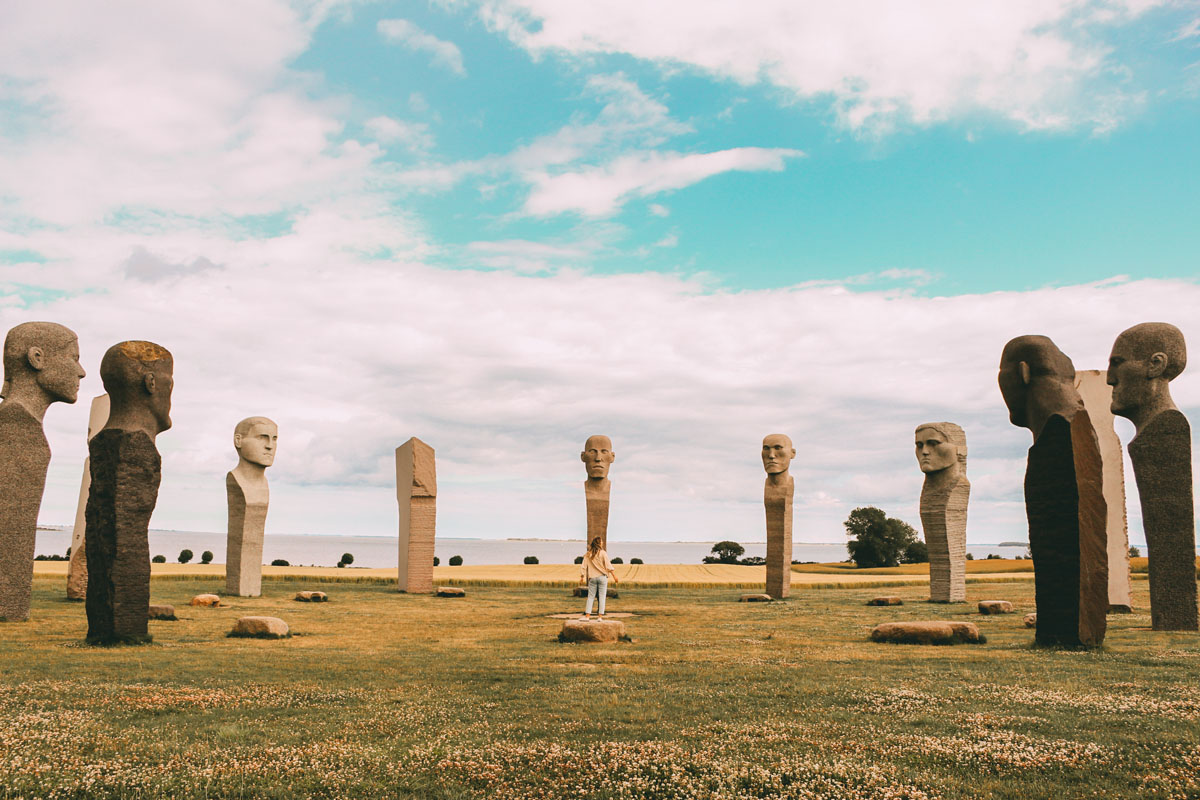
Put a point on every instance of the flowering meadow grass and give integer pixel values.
(385, 695)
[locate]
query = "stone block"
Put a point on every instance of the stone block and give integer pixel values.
(451, 591)
(162, 612)
(206, 601)
(595, 630)
(886, 600)
(937, 632)
(756, 598)
(260, 628)
(1031, 620)
(995, 607)
(312, 597)
(416, 494)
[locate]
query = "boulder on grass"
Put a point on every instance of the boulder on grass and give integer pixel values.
(206, 600)
(886, 600)
(593, 630)
(936, 632)
(756, 598)
(1031, 620)
(163, 612)
(581, 591)
(995, 607)
(1119, 608)
(260, 628)
(451, 591)
(312, 597)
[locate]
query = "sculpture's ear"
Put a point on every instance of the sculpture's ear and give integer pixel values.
(1156, 365)
(583, 456)
(611, 457)
(149, 382)
(237, 441)
(793, 452)
(36, 358)
(1025, 375)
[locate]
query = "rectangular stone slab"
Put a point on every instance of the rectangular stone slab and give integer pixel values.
(596, 494)
(243, 541)
(24, 458)
(416, 495)
(77, 567)
(777, 501)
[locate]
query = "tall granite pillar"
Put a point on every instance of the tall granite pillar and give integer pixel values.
(416, 493)
(41, 366)
(1143, 362)
(126, 470)
(1097, 400)
(942, 456)
(1064, 498)
(246, 490)
(778, 490)
(597, 456)
(77, 567)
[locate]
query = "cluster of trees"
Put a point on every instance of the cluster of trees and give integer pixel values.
(346, 560)
(455, 561)
(617, 560)
(731, 553)
(882, 541)
(186, 555)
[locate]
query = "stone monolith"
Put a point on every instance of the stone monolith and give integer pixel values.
(777, 455)
(1097, 401)
(41, 366)
(126, 471)
(942, 456)
(77, 567)
(1144, 360)
(1064, 497)
(254, 439)
(416, 493)
(597, 456)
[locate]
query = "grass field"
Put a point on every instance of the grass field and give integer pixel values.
(381, 694)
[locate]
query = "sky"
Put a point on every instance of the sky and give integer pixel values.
(501, 226)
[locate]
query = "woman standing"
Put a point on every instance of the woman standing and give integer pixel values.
(595, 571)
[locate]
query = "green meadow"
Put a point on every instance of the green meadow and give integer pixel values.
(385, 695)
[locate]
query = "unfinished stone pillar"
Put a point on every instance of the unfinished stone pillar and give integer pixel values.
(254, 439)
(126, 471)
(778, 489)
(41, 366)
(416, 493)
(1144, 360)
(1064, 496)
(942, 456)
(77, 567)
(597, 456)
(1097, 400)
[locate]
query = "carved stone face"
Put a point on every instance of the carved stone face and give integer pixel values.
(258, 444)
(597, 456)
(934, 453)
(61, 371)
(777, 453)
(1129, 376)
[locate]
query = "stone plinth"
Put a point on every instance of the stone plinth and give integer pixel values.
(451, 591)
(1162, 464)
(206, 601)
(595, 630)
(596, 497)
(24, 458)
(77, 568)
(777, 501)
(312, 597)
(416, 494)
(126, 470)
(1093, 388)
(937, 632)
(995, 607)
(162, 612)
(247, 503)
(260, 628)
(888, 600)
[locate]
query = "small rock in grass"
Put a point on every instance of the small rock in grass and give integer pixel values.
(937, 632)
(1031, 620)
(451, 591)
(163, 612)
(208, 600)
(995, 607)
(887, 600)
(1119, 608)
(594, 630)
(312, 597)
(260, 628)
(756, 598)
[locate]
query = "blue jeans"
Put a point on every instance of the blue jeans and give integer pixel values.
(597, 584)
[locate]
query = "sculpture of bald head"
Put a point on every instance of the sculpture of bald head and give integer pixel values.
(255, 439)
(41, 366)
(1143, 362)
(777, 453)
(138, 378)
(1037, 380)
(598, 456)
(941, 446)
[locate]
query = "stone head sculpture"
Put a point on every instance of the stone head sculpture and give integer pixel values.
(1037, 381)
(597, 456)
(255, 439)
(41, 366)
(777, 454)
(138, 379)
(941, 446)
(1144, 361)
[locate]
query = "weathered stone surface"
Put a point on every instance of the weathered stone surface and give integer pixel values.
(581, 591)
(937, 632)
(126, 470)
(260, 628)
(942, 456)
(995, 607)
(595, 630)
(162, 612)
(756, 598)
(206, 601)
(597, 456)
(1096, 394)
(41, 367)
(778, 490)
(77, 567)
(887, 600)
(312, 597)
(1030, 620)
(1119, 609)
(416, 494)
(451, 591)
(248, 496)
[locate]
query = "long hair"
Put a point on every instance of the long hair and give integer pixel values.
(594, 546)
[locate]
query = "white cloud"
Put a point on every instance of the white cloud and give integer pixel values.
(1042, 64)
(659, 210)
(413, 135)
(1189, 31)
(445, 54)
